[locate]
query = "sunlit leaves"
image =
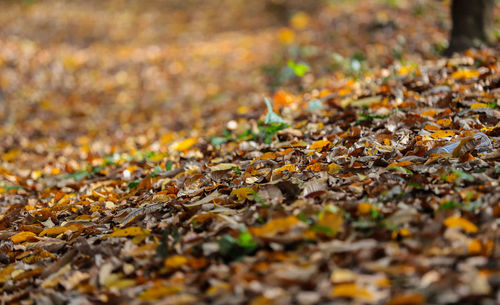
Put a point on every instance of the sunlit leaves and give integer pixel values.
(242, 193)
(186, 144)
(442, 134)
(23, 236)
(465, 74)
(460, 222)
(320, 144)
(351, 290)
(275, 226)
(130, 231)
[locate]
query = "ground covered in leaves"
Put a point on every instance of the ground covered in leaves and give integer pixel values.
(141, 162)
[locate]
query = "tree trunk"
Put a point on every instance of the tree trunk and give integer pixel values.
(472, 24)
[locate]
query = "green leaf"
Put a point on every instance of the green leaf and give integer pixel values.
(448, 205)
(298, 69)
(133, 184)
(168, 165)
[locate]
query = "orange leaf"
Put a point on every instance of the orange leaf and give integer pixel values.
(351, 290)
(475, 246)
(157, 292)
(463, 223)
(430, 127)
(24, 236)
(430, 113)
(281, 99)
(318, 145)
(400, 164)
(58, 230)
(315, 167)
(268, 155)
(287, 167)
(364, 208)
(275, 226)
(286, 35)
(442, 134)
(407, 299)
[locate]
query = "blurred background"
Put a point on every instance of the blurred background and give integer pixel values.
(129, 73)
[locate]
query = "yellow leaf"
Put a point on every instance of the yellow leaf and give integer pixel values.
(275, 226)
(58, 230)
(23, 236)
(318, 145)
(430, 113)
(342, 275)
(463, 223)
(5, 273)
(465, 74)
(334, 168)
(351, 290)
(299, 20)
(122, 284)
(444, 122)
(242, 193)
(130, 231)
(400, 164)
(11, 155)
(286, 35)
(442, 134)
(366, 101)
(186, 144)
(166, 138)
(157, 292)
(478, 105)
(400, 233)
(332, 221)
(287, 167)
(175, 261)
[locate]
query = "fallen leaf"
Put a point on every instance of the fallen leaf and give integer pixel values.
(175, 261)
(466, 225)
(130, 231)
(442, 134)
(275, 226)
(24, 236)
(185, 144)
(319, 145)
(351, 290)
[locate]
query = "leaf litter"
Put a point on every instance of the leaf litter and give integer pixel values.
(368, 182)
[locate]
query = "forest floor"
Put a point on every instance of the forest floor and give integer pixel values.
(140, 163)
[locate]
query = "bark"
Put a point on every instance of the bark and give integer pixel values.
(472, 24)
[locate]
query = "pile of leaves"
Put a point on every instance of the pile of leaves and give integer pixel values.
(365, 185)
